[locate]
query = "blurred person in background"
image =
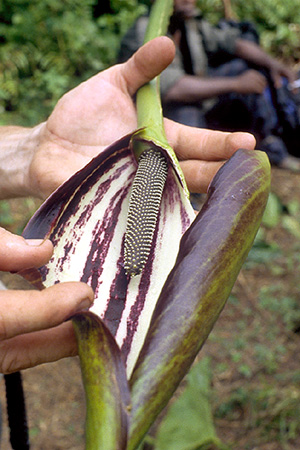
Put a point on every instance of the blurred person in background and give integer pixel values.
(222, 79)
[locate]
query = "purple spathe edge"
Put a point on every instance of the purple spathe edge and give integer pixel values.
(40, 224)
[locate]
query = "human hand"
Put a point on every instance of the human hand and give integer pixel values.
(101, 110)
(32, 328)
(202, 152)
(250, 82)
(279, 70)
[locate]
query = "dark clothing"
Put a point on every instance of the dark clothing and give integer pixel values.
(201, 47)
(205, 39)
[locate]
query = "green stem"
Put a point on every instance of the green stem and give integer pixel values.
(148, 102)
(159, 19)
(105, 384)
(149, 109)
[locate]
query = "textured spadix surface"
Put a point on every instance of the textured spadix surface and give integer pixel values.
(143, 209)
(86, 222)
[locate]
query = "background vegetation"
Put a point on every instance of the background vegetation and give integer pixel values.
(48, 47)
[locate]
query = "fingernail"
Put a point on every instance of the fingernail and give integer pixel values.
(85, 304)
(34, 242)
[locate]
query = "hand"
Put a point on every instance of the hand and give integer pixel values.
(101, 110)
(31, 322)
(278, 71)
(202, 152)
(251, 82)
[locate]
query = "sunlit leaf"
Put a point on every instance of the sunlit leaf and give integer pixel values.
(272, 212)
(188, 424)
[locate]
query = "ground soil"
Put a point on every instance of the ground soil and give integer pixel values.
(55, 397)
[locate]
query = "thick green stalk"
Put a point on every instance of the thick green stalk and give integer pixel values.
(149, 109)
(105, 384)
(148, 101)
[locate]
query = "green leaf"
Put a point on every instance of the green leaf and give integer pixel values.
(105, 383)
(291, 224)
(188, 424)
(272, 212)
(293, 207)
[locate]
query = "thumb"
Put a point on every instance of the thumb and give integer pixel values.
(148, 62)
(17, 253)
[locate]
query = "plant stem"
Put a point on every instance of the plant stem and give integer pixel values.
(149, 109)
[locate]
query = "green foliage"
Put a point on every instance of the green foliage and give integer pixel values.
(287, 215)
(273, 211)
(277, 214)
(275, 410)
(277, 22)
(49, 47)
(14, 214)
(285, 308)
(188, 424)
(212, 10)
(6, 217)
(291, 220)
(262, 252)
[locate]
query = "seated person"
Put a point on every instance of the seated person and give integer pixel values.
(233, 96)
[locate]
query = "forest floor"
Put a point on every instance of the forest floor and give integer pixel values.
(253, 349)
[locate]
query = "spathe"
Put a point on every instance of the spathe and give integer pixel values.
(86, 222)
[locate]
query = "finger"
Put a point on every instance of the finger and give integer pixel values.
(199, 174)
(197, 143)
(17, 253)
(148, 62)
(277, 81)
(29, 350)
(263, 84)
(28, 311)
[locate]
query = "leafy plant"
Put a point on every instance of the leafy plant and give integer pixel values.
(49, 47)
(273, 211)
(5, 214)
(188, 424)
(278, 23)
(276, 411)
(285, 308)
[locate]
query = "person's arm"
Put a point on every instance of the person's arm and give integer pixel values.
(193, 89)
(18, 146)
(253, 53)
